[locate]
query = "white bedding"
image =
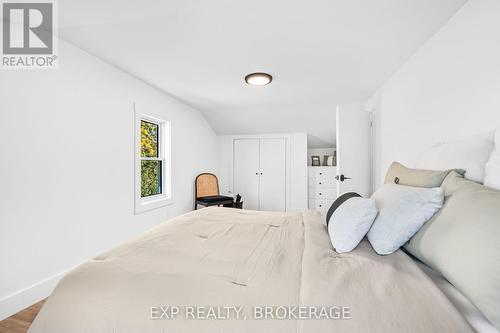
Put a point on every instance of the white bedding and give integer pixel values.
(470, 312)
(229, 257)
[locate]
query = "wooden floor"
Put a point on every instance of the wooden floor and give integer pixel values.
(21, 321)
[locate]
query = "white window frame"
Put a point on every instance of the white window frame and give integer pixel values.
(164, 155)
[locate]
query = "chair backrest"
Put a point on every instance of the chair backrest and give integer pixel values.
(206, 185)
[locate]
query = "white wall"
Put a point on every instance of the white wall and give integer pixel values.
(297, 162)
(67, 168)
(450, 89)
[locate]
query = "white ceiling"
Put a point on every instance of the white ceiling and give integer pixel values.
(321, 53)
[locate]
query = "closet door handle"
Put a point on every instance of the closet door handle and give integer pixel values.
(261, 173)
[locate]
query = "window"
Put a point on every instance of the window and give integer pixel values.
(151, 161)
(152, 171)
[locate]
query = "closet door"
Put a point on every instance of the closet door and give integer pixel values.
(246, 171)
(272, 192)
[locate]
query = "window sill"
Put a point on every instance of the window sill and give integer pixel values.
(144, 205)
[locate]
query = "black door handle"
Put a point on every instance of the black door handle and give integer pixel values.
(342, 178)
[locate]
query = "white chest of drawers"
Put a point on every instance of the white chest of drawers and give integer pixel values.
(322, 187)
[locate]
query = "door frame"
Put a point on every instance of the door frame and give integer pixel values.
(287, 138)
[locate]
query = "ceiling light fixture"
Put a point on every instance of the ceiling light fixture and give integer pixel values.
(258, 79)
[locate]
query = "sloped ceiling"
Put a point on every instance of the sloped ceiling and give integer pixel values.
(321, 53)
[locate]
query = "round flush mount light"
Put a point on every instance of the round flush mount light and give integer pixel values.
(258, 79)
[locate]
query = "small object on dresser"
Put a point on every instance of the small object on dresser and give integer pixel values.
(315, 161)
(329, 160)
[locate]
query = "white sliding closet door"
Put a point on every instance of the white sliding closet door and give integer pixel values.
(272, 192)
(246, 171)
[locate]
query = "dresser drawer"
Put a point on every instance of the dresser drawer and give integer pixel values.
(322, 171)
(328, 172)
(323, 181)
(320, 204)
(322, 193)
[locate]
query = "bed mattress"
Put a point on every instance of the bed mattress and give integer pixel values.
(228, 270)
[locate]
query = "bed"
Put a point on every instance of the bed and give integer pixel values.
(218, 258)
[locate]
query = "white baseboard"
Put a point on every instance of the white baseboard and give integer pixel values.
(26, 297)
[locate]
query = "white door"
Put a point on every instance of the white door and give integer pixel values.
(272, 175)
(353, 151)
(246, 171)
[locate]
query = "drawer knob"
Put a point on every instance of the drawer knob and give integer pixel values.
(321, 173)
(320, 194)
(320, 183)
(321, 205)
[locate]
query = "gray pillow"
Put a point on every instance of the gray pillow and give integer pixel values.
(399, 174)
(462, 241)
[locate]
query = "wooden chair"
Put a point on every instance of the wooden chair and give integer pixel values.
(207, 192)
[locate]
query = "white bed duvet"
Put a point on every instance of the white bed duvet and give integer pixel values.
(228, 270)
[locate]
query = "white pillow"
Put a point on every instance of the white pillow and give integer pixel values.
(470, 155)
(492, 172)
(350, 222)
(403, 210)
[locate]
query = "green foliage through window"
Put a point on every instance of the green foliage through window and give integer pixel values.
(149, 139)
(150, 178)
(151, 164)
